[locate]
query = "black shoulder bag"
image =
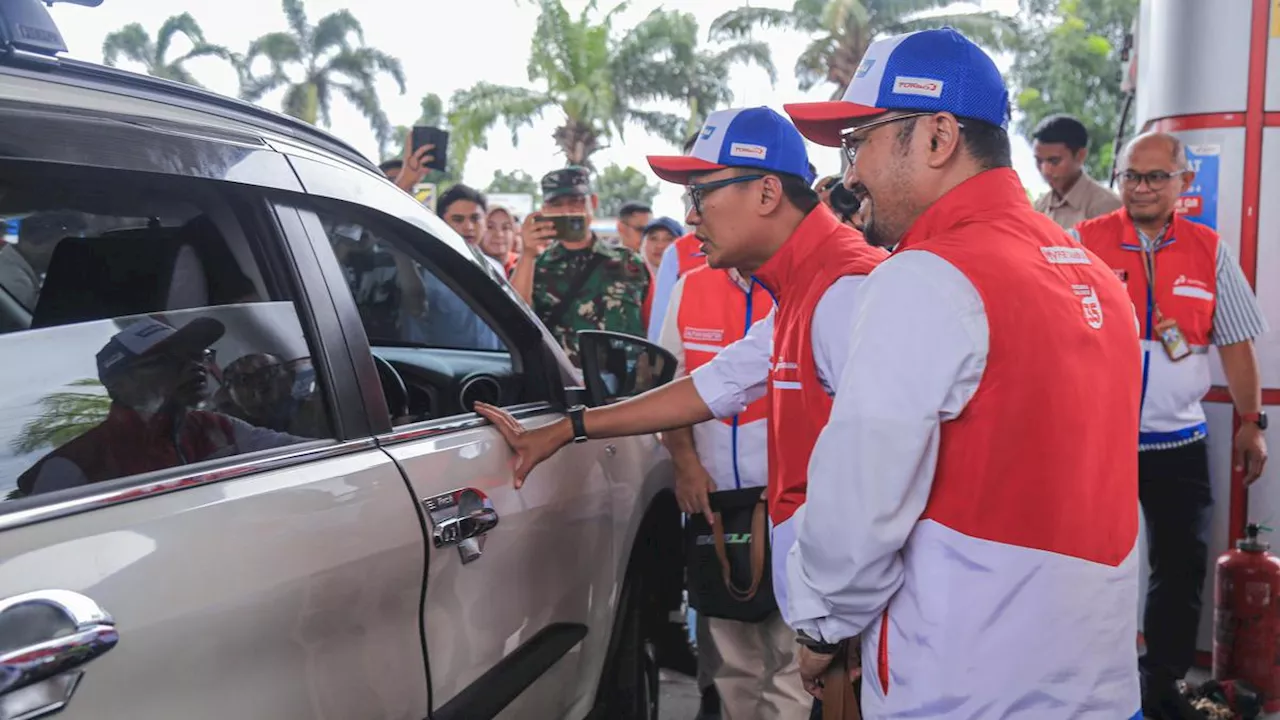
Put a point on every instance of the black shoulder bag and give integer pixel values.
(728, 567)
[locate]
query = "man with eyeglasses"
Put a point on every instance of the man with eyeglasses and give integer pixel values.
(748, 185)
(1190, 293)
(972, 510)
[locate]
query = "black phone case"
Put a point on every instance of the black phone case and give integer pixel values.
(423, 135)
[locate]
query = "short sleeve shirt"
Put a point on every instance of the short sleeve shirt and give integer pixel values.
(610, 298)
(1087, 199)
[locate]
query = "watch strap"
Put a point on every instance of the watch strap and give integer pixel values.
(816, 645)
(1257, 418)
(579, 427)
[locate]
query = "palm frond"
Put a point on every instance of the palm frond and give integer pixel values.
(131, 42)
(991, 30)
(811, 67)
(333, 30)
(296, 13)
(479, 108)
(280, 48)
(253, 89)
(671, 128)
(365, 99)
(184, 24)
(741, 22)
(747, 53)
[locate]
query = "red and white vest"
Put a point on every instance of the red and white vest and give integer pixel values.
(1020, 578)
(689, 254)
(1186, 270)
(818, 253)
(714, 313)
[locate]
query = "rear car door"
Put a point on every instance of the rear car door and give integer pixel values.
(520, 585)
(196, 526)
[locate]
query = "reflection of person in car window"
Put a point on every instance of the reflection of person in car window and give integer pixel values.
(384, 284)
(263, 390)
(155, 376)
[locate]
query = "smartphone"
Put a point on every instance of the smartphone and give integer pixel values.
(568, 227)
(427, 135)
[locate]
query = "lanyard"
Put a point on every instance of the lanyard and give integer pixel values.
(1149, 268)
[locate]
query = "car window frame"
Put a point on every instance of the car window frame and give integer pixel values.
(282, 268)
(466, 276)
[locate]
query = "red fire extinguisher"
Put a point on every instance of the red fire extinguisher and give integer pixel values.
(1246, 623)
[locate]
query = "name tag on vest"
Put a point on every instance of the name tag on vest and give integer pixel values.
(1066, 256)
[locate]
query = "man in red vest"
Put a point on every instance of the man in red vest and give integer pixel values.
(972, 505)
(1190, 293)
(753, 664)
(748, 180)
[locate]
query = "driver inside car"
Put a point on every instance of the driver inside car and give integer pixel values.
(156, 376)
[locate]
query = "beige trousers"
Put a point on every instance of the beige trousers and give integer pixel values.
(758, 675)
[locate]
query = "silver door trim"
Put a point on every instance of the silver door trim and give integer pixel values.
(134, 491)
(457, 423)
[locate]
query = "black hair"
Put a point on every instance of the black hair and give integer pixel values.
(813, 170)
(1063, 129)
(392, 164)
(690, 142)
(634, 208)
(986, 143)
(799, 193)
(460, 192)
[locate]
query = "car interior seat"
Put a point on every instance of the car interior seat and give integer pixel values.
(127, 273)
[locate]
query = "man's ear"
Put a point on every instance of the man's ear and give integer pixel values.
(1082, 154)
(771, 194)
(1188, 177)
(944, 140)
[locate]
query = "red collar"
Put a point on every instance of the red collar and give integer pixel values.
(787, 266)
(997, 189)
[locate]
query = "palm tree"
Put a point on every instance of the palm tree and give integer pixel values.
(132, 42)
(600, 82)
(668, 42)
(64, 415)
(843, 29)
(325, 61)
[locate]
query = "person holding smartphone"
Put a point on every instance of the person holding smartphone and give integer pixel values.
(577, 282)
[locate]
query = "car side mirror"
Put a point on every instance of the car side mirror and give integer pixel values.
(616, 366)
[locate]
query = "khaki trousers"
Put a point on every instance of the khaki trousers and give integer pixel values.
(758, 676)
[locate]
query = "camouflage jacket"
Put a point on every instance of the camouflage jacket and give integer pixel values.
(610, 299)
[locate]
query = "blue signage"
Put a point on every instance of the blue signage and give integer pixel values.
(1200, 202)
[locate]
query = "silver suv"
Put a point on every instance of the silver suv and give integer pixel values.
(239, 472)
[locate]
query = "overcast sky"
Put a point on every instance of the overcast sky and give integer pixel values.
(447, 45)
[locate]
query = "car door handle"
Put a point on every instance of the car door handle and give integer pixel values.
(464, 526)
(59, 631)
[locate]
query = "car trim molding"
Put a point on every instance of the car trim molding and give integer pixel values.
(96, 500)
(493, 691)
(433, 428)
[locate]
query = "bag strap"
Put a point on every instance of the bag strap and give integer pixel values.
(838, 701)
(758, 548)
(575, 287)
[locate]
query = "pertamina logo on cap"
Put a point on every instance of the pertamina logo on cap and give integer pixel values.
(928, 87)
(748, 150)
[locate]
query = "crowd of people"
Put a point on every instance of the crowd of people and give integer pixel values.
(953, 403)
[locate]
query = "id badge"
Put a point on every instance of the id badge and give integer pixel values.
(1175, 343)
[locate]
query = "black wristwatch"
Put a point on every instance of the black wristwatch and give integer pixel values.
(579, 428)
(815, 645)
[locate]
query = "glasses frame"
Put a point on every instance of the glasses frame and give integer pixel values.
(695, 193)
(849, 143)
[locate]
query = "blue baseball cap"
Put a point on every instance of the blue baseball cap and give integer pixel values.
(148, 337)
(741, 137)
(930, 70)
(664, 223)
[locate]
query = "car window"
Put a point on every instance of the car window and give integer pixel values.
(401, 301)
(137, 335)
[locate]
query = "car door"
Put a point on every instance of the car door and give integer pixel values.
(520, 584)
(205, 555)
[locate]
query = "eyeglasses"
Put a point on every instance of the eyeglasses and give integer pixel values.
(1156, 179)
(696, 193)
(852, 138)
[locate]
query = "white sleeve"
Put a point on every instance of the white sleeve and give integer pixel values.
(669, 337)
(830, 329)
(739, 375)
(918, 347)
(251, 438)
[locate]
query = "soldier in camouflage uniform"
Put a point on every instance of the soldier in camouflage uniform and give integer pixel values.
(612, 282)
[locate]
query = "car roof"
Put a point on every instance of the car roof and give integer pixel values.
(90, 90)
